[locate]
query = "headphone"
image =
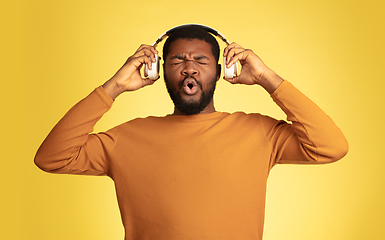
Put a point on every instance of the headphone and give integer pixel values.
(154, 72)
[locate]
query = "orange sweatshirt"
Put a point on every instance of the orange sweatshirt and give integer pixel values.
(191, 177)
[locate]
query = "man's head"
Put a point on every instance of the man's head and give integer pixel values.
(192, 32)
(191, 69)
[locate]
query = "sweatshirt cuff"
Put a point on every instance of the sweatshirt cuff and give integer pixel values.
(282, 87)
(104, 96)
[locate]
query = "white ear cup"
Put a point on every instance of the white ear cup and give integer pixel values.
(230, 72)
(152, 74)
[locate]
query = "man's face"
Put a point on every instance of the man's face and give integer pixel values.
(191, 73)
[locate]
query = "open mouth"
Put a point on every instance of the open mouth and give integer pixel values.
(190, 86)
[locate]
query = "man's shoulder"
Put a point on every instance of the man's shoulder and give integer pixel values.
(145, 120)
(216, 115)
(240, 114)
(140, 124)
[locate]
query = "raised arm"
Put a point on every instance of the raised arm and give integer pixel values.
(254, 70)
(70, 147)
(128, 77)
(311, 136)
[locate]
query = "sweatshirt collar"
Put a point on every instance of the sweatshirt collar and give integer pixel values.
(197, 117)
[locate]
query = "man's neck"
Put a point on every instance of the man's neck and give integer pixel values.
(208, 109)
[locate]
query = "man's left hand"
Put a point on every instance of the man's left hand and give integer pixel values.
(253, 71)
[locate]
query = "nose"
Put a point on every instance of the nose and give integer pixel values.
(189, 69)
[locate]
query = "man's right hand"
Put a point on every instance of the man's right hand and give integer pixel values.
(128, 77)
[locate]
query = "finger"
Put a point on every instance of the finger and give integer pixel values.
(230, 58)
(150, 47)
(233, 80)
(147, 52)
(146, 60)
(230, 46)
(139, 52)
(137, 62)
(147, 81)
(239, 56)
(231, 54)
(240, 79)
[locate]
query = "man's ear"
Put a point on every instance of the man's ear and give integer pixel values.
(219, 68)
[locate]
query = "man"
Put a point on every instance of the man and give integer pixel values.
(196, 173)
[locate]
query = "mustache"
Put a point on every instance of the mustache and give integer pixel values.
(190, 76)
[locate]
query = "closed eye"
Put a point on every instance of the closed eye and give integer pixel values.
(178, 59)
(203, 60)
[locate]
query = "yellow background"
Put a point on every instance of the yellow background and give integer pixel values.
(53, 53)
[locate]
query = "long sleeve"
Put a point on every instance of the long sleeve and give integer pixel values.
(175, 175)
(312, 136)
(70, 148)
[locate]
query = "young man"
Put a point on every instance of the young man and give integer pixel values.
(196, 173)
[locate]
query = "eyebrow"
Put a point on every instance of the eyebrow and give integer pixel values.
(178, 56)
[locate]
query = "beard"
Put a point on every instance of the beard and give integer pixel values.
(191, 107)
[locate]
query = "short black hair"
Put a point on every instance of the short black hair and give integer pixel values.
(191, 32)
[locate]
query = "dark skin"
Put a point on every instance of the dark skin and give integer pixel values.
(187, 57)
(191, 59)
